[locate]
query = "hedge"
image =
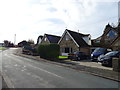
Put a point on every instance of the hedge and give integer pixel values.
(49, 51)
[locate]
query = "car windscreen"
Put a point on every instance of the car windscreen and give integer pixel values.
(111, 53)
(100, 50)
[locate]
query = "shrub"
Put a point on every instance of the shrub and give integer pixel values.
(49, 51)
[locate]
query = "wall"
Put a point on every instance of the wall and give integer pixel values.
(86, 50)
(116, 45)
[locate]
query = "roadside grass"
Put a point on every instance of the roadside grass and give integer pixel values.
(63, 57)
(2, 48)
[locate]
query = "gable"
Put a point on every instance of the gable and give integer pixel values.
(75, 37)
(45, 40)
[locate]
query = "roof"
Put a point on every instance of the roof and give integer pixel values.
(53, 38)
(39, 38)
(78, 38)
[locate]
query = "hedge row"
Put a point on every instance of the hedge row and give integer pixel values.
(49, 51)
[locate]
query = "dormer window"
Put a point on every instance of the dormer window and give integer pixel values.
(112, 34)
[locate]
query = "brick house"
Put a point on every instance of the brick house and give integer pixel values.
(73, 41)
(47, 39)
(109, 35)
(116, 44)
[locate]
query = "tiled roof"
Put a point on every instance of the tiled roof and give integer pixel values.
(78, 38)
(53, 38)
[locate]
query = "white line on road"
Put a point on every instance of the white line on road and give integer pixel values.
(36, 67)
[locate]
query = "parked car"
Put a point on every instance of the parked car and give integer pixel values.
(106, 59)
(99, 51)
(77, 55)
(29, 50)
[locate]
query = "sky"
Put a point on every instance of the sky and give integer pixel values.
(27, 19)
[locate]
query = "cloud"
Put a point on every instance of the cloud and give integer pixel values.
(31, 18)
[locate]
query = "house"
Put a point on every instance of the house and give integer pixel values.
(109, 35)
(96, 42)
(73, 41)
(116, 44)
(39, 39)
(2, 44)
(47, 39)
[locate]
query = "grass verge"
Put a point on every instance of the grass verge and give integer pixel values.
(2, 48)
(63, 57)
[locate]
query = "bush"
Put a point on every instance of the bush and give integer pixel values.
(49, 51)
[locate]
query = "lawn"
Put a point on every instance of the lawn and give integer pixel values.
(63, 57)
(2, 48)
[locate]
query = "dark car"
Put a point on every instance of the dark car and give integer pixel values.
(97, 52)
(106, 59)
(77, 56)
(29, 50)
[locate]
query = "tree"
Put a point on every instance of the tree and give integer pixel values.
(23, 43)
(6, 42)
(30, 41)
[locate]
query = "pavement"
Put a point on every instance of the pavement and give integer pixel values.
(87, 66)
(2, 82)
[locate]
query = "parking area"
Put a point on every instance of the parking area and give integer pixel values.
(89, 63)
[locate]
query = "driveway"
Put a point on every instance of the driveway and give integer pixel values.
(89, 63)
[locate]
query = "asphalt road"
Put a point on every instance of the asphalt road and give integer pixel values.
(27, 73)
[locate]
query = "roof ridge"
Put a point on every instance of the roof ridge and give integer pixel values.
(77, 32)
(53, 35)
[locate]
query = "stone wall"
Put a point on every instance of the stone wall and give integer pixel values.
(116, 64)
(68, 43)
(86, 50)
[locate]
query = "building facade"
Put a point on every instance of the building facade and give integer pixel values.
(73, 41)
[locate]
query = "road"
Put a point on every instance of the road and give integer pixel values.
(0, 70)
(27, 73)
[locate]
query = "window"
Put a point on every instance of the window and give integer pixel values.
(67, 50)
(67, 37)
(112, 34)
(45, 39)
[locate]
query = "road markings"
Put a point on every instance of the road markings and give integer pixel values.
(36, 67)
(47, 71)
(7, 80)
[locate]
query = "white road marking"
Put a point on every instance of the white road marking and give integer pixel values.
(37, 67)
(16, 65)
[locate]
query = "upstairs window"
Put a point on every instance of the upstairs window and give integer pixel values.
(112, 34)
(67, 38)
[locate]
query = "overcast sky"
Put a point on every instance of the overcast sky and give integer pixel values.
(30, 18)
